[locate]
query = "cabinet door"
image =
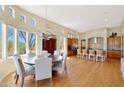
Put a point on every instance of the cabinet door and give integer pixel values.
(117, 42)
(114, 54)
(110, 41)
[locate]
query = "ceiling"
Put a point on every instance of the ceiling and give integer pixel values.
(80, 17)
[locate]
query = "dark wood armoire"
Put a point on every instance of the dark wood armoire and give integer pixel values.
(49, 45)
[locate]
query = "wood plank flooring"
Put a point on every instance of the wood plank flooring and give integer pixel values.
(80, 73)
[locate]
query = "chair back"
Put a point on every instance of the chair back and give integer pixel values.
(57, 52)
(30, 54)
(43, 68)
(84, 51)
(99, 52)
(78, 51)
(64, 60)
(44, 52)
(19, 65)
(91, 52)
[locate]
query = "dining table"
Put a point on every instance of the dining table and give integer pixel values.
(55, 59)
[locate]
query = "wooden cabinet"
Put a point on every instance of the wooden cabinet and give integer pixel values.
(70, 43)
(114, 47)
(117, 41)
(114, 43)
(114, 54)
(49, 45)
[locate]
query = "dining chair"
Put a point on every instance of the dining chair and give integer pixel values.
(30, 54)
(57, 52)
(43, 69)
(78, 53)
(44, 52)
(21, 70)
(100, 55)
(61, 65)
(84, 53)
(92, 55)
(122, 67)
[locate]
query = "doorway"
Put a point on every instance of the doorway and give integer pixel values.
(49, 43)
(72, 46)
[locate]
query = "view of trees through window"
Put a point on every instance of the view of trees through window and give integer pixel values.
(22, 42)
(10, 41)
(0, 40)
(32, 41)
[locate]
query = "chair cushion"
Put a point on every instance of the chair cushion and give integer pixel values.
(29, 70)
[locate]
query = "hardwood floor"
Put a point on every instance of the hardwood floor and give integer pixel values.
(80, 73)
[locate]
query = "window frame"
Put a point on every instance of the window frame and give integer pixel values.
(2, 7)
(35, 22)
(7, 38)
(24, 21)
(18, 40)
(35, 40)
(1, 41)
(13, 12)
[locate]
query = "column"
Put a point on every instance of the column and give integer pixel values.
(4, 43)
(39, 43)
(16, 41)
(27, 42)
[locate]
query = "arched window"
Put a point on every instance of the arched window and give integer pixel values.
(11, 12)
(22, 18)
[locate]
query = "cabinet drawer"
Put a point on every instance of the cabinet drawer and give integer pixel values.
(114, 54)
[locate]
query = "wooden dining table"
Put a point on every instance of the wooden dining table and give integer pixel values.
(55, 59)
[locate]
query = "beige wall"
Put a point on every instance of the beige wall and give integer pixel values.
(58, 30)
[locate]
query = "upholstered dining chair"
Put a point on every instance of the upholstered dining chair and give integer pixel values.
(57, 52)
(61, 66)
(43, 69)
(84, 53)
(30, 54)
(100, 55)
(92, 55)
(44, 52)
(78, 53)
(21, 70)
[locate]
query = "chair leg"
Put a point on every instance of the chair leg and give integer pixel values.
(17, 77)
(65, 70)
(34, 75)
(94, 58)
(51, 82)
(22, 82)
(36, 83)
(89, 57)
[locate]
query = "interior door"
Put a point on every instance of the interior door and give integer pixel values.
(49, 45)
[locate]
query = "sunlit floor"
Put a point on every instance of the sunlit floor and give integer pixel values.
(79, 73)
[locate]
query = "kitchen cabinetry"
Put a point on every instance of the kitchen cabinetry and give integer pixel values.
(114, 54)
(114, 47)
